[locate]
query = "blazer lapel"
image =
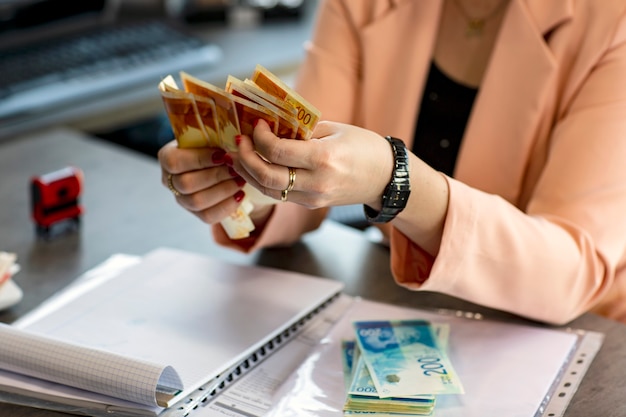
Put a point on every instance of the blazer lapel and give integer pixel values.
(394, 77)
(513, 95)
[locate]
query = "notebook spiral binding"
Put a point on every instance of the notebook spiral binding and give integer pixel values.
(212, 388)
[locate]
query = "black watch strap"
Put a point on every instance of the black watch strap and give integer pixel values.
(397, 192)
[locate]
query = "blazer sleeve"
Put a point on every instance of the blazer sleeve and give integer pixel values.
(565, 252)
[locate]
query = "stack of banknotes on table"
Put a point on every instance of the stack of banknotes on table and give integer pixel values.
(397, 368)
(202, 114)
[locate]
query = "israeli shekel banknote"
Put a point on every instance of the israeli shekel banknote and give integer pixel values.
(404, 358)
(202, 114)
(361, 394)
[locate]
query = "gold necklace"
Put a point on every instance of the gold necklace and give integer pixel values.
(475, 25)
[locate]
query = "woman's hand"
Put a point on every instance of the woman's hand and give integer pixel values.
(341, 165)
(202, 179)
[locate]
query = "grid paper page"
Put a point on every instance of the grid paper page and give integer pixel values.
(81, 367)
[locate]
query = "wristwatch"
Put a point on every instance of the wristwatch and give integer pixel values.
(397, 192)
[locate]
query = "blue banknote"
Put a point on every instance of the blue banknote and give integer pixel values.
(404, 358)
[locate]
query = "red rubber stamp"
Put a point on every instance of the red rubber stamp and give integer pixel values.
(55, 201)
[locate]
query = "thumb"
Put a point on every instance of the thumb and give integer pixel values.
(261, 128)
(263, 138)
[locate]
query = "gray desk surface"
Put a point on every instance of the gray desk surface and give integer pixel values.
(127, 210)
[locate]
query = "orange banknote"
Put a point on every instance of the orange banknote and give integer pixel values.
(202, 114)
(307, 115)
(287, 124)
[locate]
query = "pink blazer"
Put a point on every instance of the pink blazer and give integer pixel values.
(537, 216)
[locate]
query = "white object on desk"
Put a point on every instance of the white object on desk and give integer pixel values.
(10, 294)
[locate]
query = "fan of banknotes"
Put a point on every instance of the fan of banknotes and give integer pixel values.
(397, 368)
(202, 114)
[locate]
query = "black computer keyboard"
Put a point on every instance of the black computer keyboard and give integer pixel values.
(62, 69)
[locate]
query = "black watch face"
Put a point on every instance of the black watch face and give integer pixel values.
(396, 199)
(396, 194)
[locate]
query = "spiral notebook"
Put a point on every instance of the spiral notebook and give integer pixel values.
(171, 327)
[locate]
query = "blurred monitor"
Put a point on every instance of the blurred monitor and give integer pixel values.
(23, 21)
(218, 10)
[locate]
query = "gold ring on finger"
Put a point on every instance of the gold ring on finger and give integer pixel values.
(292, 180)
(170, 185)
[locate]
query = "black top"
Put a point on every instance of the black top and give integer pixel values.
(444, 112)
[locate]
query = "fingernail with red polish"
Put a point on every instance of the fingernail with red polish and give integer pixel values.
(240, 181)
(239, 195)
(228, 160)
(238, 139)
(232, 172)
(218, 156)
